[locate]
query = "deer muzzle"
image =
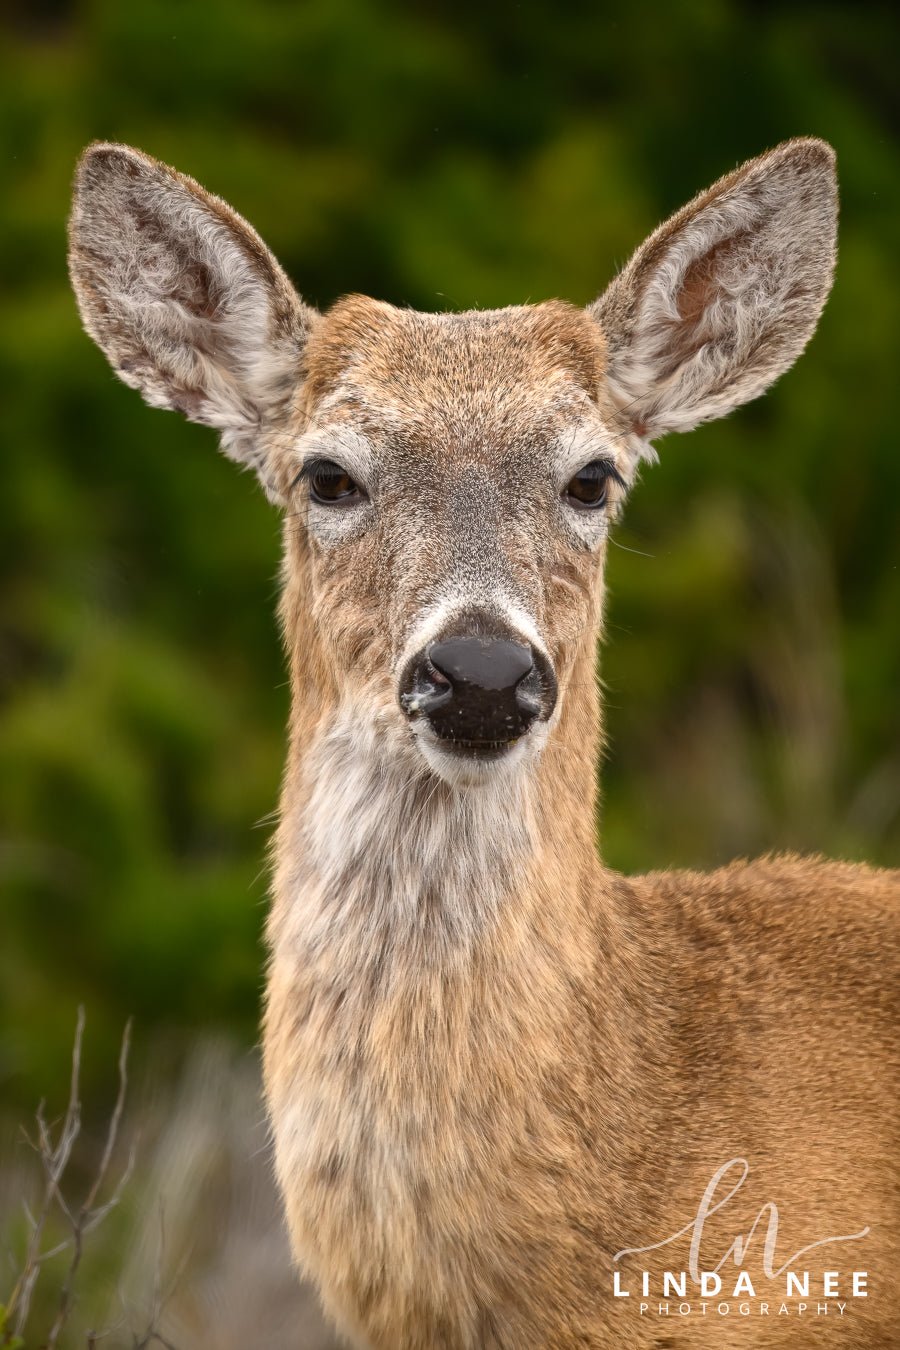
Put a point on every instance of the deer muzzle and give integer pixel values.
(478, 692)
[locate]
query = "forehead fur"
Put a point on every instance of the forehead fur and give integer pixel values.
(367, 350)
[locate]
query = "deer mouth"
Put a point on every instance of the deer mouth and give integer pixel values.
(472, 762)
(478, 749)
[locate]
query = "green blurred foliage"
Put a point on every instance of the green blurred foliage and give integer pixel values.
(441, 156)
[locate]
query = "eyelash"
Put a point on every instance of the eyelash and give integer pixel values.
(308, 469)
(606, 469)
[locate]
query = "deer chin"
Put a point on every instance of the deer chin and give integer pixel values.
(464, 765)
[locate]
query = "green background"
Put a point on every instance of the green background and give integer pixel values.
(443, 156)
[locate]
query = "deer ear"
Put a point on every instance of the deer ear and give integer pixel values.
(185, 300)
(723, 297)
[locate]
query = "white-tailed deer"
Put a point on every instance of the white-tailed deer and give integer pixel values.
(506, 1083)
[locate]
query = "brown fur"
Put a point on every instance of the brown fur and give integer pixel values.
(492, 1063)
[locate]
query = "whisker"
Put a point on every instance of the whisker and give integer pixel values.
(625, 548)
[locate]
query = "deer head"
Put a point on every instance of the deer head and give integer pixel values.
(449, 479)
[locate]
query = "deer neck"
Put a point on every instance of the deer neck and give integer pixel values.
(420, 935)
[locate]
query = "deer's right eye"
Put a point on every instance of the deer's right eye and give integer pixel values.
(330, 485)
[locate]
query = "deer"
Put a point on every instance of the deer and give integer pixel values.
(518, 1099)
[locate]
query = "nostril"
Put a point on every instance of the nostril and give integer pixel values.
(436, 676)
(540, 686)
(427, 688)
(530, 693)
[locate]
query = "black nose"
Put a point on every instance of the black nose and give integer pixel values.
(482, 663)
(479, 693)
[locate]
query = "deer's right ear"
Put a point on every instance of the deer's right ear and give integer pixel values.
(723, 297)
(185, 300)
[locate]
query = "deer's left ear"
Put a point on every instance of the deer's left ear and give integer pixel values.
(725, 295)
(186, 301)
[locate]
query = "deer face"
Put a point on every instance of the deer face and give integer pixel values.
(450, 479)
(455, 482)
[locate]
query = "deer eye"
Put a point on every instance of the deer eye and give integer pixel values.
(330, 484)
(588, 489)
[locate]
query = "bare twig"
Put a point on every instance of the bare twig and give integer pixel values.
(55, 1155)
(87, 1216)
(55, 1161)
(115, 1119)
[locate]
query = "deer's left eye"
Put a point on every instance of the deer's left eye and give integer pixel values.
(588, 489)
